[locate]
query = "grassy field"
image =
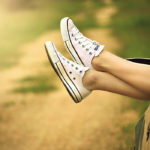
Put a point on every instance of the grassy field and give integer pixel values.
(131, 26)
(22, 23)
(36, 84)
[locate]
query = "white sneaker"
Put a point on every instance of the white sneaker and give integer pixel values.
(80, 47)
(69, 72)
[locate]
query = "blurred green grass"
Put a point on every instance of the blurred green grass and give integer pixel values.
(127, 130)
(23, 23)
(36, 84)
(8, 104)
(20, 25)
(131, 26)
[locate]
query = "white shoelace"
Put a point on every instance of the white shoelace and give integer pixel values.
(86, 43)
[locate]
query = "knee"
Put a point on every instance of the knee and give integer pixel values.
(90, 79)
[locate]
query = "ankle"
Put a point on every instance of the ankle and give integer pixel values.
(100, 62)
(96, 63)
(89, 79)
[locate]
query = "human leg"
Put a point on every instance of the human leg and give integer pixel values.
(96, 80)
(137, 75)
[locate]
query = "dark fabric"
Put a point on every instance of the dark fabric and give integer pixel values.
(140, 60)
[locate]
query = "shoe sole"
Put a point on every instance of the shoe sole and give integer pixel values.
(61, 72)
(67, 41)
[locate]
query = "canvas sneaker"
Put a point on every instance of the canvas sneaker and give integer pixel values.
(80, 47)
(69, 72)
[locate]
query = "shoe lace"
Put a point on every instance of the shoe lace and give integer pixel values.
(86, 42)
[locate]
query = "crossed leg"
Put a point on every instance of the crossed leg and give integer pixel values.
(134, 74)
(96, 80)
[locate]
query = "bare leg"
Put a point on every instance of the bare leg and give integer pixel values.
(137, 75)
(96, 80)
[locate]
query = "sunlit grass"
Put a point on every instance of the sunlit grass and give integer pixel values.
(36, 84)
(24, 24)
(131, 24)
(128, 134)
(8, 104)
(18, 28)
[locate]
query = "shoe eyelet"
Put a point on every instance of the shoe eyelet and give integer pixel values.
(72, 35)
(68, 62)
(90, 53)
(83, 46)
(70, 72)
(79, 42)
(81, 71)
(76, 68)
(75, 39)
(74, 78)
(72, 65)
(87, 49)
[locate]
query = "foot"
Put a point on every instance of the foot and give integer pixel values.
(70, 73)
(80, 47)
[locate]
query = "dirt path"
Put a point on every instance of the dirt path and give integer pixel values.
(53, 121)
